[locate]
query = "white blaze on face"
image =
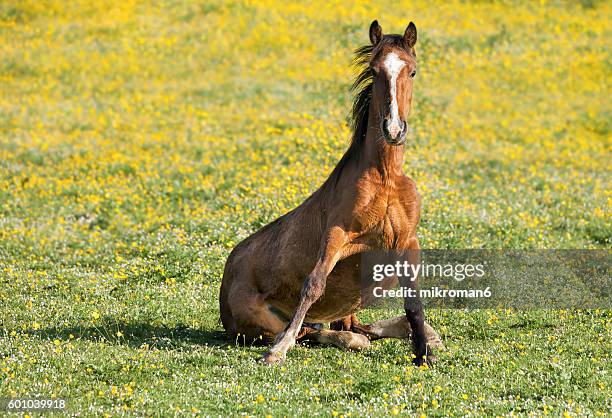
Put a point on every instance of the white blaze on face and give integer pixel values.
(394, 65)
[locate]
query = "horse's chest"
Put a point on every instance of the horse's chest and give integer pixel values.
(393, 227)
(386, 223)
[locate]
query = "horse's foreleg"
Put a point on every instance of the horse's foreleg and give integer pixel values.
(312, 289)
(416, 318)
(414, 310)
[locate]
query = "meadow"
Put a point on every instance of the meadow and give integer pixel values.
(141, 141)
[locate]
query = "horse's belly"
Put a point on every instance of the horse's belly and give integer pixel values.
(346, 293)
(342, 295)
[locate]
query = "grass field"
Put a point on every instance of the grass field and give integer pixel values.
(140, 142)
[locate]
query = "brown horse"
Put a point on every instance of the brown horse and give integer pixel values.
(304, 266)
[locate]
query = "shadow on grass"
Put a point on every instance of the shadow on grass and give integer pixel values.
(136, 335)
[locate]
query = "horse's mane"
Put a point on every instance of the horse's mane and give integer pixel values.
(362, 91)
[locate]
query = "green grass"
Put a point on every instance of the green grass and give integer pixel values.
(139, 143)
(167, 355)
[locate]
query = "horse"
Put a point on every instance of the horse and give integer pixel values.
(302, 270)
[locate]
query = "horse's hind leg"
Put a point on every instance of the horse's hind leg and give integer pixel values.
(343, 339)
(397, 327)
(250, 319)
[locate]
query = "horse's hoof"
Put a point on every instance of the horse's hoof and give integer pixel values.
(272, 358)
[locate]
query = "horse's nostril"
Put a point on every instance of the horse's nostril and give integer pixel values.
(385, 127)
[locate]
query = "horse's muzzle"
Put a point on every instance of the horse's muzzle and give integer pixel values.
(394, 133)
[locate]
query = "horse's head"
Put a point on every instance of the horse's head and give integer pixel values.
(393, 67)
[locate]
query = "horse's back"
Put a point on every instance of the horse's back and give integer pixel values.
(274, 256)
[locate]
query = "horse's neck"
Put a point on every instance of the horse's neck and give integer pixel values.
(387, 159)
(374, 155)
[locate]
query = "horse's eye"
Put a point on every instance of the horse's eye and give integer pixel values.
(412, 74)
(373, 72)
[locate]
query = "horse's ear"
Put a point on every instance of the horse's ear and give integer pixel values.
(410, 35)
(375, 33)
